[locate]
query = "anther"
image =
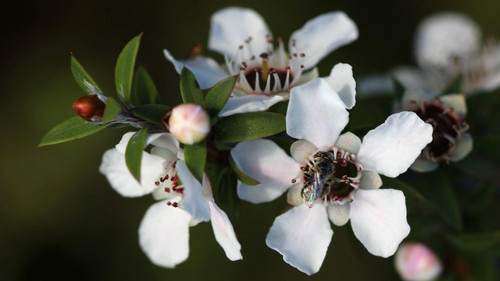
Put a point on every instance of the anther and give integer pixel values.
(302, 55)
(294, 180)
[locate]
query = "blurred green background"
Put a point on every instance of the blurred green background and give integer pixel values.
(60, 220)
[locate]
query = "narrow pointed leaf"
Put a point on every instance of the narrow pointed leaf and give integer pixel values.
(124, 70)
(195, 156)
(190, 90)
(217, 95)
(133, 153)
(482, 243)
(113, 108)
(83, 79)
(151, 112)
(69, 130)
(145, 91)
(244, 178)
(249, 126)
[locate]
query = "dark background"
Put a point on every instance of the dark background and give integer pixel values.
(60, 220)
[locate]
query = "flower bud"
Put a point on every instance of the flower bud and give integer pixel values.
(90, 108)
(416, 262)
(189, 123)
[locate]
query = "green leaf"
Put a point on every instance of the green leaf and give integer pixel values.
(217, 96)
(124, 70)
(195, 156)
(244, 178)
(83, 79)
(482, 243)
(438, 190)
(151, 112)
(112, 109)
(133, 153)
(190, 91)
(145, 91)
(69, 130)
(480, 166)
(249, 126)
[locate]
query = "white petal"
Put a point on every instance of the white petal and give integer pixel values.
(323, 34)
(224, 233)
(370, 180)
(457, 102)
(339, 214)
(164, 140)
(349, 142)
(301, 150)
(444, 38)
(375, 85)
(463, 148)
(164, 234)
(378, 219)
(392, 147)
(194, 202)
(230, 27)
(251, 103)
(308, 76)
(342, 81)
(316, 113)
(302, 236)
(411, 77)
(266, 162)
(115, 169)
(422, 165)
(207, 71)
(293, 195)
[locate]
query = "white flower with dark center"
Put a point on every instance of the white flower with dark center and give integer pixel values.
(450, 140)
(267, 74)
(336, 176)
(183, 201)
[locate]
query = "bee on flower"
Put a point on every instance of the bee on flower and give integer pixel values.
(330, 175)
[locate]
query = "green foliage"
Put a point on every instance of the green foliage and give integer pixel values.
(112, 109)
(244, 178)
(133, 153)
(83, 79)
(195, 156)
(144, 89)
(482, 243)
(72, 129)
(124, 70)
(218, 95)
(151, 112)
(190, 90)
(249, 126)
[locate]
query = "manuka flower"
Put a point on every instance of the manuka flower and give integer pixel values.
(448, 46)
(416, 262)
(164, 230)
(266, 74)
(336, 176)
(450, 140)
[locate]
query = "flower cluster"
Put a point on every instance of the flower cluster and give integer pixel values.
(227, 138)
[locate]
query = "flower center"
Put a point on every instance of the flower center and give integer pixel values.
(168, 188)
(268, 73)
(447, 126)
(330, 176)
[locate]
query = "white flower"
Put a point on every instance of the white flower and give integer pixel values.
(450, 141)
(266, 74)
(447, 46)
(416, 262)
(336, 175)
(189, 123)
(164, 230)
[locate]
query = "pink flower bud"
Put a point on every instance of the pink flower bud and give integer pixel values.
(90, 108)
(416, 262)
(189, 123)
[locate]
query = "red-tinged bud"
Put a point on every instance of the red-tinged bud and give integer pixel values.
(188, 123)
(90, 108)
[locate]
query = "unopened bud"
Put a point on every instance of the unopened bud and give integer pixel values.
(416, 262)
(189, 123)
(90, 108)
